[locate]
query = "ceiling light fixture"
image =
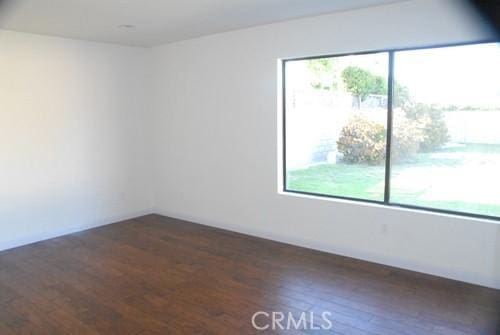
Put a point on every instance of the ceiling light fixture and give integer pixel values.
(126, 26)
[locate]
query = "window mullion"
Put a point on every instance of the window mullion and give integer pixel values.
(390, 95)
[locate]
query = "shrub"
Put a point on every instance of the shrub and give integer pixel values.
(401, 96)
(432, 124)
(362, 141)
(420, 128)
(407, 137)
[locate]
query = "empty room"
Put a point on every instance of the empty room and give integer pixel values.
(250, 167)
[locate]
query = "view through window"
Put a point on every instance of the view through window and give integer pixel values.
(445, 139)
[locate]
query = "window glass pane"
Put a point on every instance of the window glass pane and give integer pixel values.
(446, 136)
(336, 111)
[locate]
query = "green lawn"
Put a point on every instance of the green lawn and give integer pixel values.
(464, 179)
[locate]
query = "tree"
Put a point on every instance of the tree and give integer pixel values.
(379, 85)
(323, 72)
(361, 82)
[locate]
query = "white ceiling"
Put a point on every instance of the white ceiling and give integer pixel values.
(156, 21)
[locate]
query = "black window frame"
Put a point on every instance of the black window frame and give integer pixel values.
(390, 86)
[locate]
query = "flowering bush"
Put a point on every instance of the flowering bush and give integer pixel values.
(362, 141)
(432, 123)
(407, 136)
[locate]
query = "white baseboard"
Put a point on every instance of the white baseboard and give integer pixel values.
(70, 230)
(395, 262)
(466, 277)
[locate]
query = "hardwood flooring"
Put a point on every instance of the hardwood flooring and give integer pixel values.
(157, 275)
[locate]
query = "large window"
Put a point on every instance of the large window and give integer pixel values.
(414, 128)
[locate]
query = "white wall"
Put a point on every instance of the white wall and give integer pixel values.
(217, 130)
(73, 144)
(469, 126)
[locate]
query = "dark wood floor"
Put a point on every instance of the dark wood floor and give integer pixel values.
(156, 275)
